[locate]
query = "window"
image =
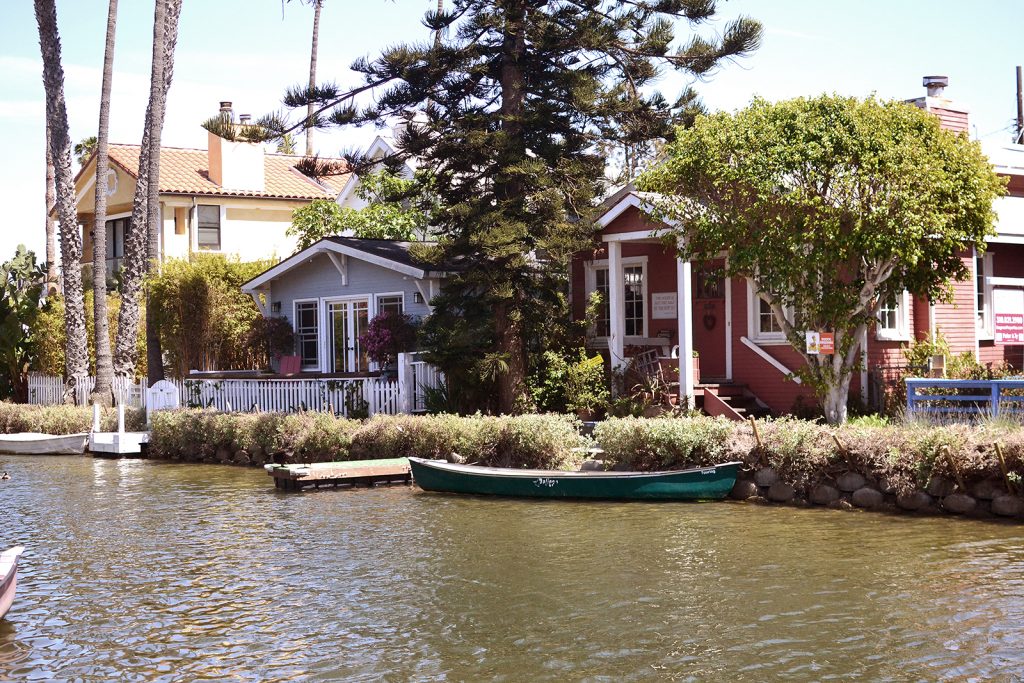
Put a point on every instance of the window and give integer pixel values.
(391, 303)
(764, 327)
(634, 307)
(892, 318)
(209, 226)
(307, 333)
(115, 237)
(982, 273)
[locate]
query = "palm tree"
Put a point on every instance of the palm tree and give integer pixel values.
(76, 354)
(142, 243)
(84, 149)
(51, 227)
(317, 6)
(103, 391)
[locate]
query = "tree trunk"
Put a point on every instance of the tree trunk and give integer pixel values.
(76, 352)
(103, 391)
(835, 399)
(512, 383)
(51, 226)
(143, 229)
(317, 6)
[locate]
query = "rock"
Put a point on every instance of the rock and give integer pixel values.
(781, 492)
(1007, 506)
(917, 500)
(743, 489)
(867, 497)
(241, 457)
(987, 489)
(824, 494)
(958, 503)
(766, 476)
(256, 452)
(886, 487)
(850, 481)
(841, 504)
(223, 455)
(456, 458)
(940, 487)
(592, 466)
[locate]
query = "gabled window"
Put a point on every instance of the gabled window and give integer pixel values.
(307, 333)
(893, 318)
(983, 287)
(209, 226)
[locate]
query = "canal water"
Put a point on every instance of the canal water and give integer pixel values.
(162, 572)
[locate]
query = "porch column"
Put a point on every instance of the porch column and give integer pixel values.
(684, 304)
(616, 310)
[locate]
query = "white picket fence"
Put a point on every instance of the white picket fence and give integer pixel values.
(349, 397)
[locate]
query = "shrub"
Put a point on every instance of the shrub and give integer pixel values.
(664, 443)
(388, 335)
(585, 385)
(270, 338)
(61, 419)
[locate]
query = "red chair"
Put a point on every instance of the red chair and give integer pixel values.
(291, 365)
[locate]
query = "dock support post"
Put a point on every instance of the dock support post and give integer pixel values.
(95, 417)
(120, 418)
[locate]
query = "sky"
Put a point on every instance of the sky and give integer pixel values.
(250, 51)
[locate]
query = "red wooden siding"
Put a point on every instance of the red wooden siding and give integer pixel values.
(956, 320)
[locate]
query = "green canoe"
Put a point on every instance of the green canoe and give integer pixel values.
(700, 483)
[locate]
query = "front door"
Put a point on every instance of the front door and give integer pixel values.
(709, 330)
(348, 320)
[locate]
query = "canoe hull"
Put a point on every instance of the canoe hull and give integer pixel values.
(706, 483)
(43, 444)
(8, 578)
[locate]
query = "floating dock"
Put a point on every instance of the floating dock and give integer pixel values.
(119, 444)
(350, 473)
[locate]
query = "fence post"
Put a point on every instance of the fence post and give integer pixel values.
(405, 384)
(995, 399)
(911, 397)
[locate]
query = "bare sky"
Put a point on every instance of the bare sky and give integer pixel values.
(247, 52)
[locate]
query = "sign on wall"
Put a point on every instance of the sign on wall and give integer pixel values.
(821, 343)
(1008, 311)
(664, 305)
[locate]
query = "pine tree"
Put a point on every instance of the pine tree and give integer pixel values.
(518, 101)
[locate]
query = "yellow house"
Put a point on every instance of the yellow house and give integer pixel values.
(232, 198)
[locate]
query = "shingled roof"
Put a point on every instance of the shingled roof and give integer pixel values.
(186, 171)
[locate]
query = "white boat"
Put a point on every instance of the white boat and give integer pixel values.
(34, 443)
(8, 577)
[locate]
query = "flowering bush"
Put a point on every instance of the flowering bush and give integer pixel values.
(387, 335)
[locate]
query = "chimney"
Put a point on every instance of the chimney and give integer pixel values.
(235, 165)
(952, 116)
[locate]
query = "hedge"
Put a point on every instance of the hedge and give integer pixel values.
(62, 419)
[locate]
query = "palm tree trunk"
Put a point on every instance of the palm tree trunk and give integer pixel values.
(51, 226)
(103, 391)
(143, 228)
(76, 354)
(317, 6)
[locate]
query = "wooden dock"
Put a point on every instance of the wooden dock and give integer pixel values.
(349, 473)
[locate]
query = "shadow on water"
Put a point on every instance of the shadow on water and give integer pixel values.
(159, 571)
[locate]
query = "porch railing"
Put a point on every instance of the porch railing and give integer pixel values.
(965, 398)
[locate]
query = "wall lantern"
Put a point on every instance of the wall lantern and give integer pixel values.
(417, 297)
(275, 307)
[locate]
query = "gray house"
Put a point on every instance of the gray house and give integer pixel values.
(331, 290)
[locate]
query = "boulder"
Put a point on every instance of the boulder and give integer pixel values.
(886, 487)
(766, 476)
(781, 492)
(987, 489)
(823, 494)
(916, 500)
(940, 487)
(743, 489)
(850, 481)
(592, 466)
(457, 459)
(241, 457)
(959, 503)
(223, 454)
(1007, 506)
(867, 497)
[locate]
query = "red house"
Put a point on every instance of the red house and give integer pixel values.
(679, 309)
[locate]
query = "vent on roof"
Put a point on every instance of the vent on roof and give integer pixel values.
(935, 85)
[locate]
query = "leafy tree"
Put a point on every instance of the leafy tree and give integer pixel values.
(388, 335)
(390, 212)
(828, 205)
(84, 149)
(21, 286)
(516, 99)
(75, 352)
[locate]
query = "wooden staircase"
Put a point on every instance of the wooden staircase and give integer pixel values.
(734, 401)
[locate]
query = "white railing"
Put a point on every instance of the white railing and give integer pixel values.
(350, 397)
(415, 377)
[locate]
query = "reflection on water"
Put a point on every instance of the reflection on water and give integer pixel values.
(154, 571)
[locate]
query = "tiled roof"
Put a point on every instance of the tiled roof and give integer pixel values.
(186, 171)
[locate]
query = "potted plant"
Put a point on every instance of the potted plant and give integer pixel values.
(387, 335)
(586, 390)
(653, 393)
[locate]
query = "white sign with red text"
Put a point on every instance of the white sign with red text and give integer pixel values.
(1008, 314)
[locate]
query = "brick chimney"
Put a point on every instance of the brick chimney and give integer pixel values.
(952, 116)
(235, 165)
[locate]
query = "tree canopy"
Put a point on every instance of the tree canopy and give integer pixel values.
(829, 205)
(511, 109)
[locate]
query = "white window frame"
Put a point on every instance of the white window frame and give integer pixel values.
(326, 352)
(590, 285)
(376, 302)
(754, 320)
(984, 320)
(220, 229)
(319, 332)
(902, 330)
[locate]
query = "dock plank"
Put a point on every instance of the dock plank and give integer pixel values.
(342, 473)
